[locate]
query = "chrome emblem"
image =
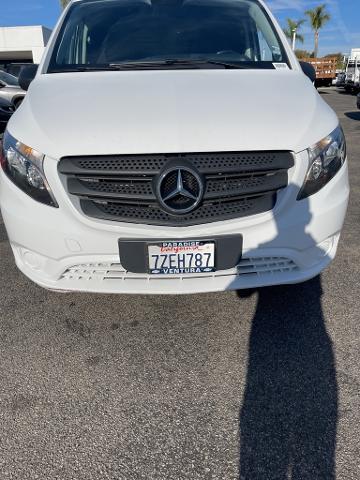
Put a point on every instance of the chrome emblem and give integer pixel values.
(179, 189)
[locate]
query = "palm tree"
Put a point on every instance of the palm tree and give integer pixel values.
(64, 3)
(291, 31)
(318, 18)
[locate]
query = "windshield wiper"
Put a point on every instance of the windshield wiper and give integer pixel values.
(154, 64)
(169, 63)
(82, 68)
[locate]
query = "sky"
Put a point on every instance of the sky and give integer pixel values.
(340, 35)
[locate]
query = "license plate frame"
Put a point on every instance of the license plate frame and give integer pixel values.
(134, 257)
(181, 257)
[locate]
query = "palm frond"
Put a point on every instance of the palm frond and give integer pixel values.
(293, 26)
(64, 3)
(318, 17)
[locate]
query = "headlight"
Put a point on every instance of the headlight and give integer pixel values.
(24, 166)
(325, 160)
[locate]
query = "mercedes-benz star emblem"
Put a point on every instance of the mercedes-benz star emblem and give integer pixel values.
(180, 189)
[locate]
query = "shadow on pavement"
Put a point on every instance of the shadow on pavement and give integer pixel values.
(288, 418)
(289, 415)
(353, 115)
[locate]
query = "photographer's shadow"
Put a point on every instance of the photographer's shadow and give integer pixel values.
(288, 419)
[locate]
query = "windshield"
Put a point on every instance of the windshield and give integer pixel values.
(8, 79)
(100, 33)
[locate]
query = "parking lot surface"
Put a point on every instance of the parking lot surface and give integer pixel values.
(248, 385)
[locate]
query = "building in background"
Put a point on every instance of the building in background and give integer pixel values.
(22, 44)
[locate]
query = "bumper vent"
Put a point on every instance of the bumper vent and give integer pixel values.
(115, 271)
(121, 188)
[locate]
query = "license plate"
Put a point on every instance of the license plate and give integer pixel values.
(176, 258)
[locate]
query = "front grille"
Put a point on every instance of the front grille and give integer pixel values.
(122, 188)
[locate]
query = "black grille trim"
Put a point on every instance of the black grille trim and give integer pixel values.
(121, 187)
(152, 215)
(116, 189)
(206, 163)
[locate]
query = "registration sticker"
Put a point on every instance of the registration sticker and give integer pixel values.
(181, 257)
(281, 66)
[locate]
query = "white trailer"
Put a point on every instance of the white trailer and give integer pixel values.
(352, 80)
(355, 53)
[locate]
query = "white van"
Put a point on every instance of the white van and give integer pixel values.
(171, 146)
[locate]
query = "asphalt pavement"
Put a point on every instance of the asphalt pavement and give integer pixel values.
(250, 385)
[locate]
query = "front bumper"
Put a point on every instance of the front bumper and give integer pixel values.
(61, 249)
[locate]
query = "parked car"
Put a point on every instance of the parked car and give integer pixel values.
(15, 68)
(6, 110)
(10, 89)
(340, 80)
(358, 101)
(180, 149)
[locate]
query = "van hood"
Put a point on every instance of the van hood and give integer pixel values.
(168, 111)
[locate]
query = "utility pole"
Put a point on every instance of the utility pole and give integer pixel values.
(294, 39)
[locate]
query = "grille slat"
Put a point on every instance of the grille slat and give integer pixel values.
(141, 190)
(114, 189)
(232, 186)
(121, 188)
(206, 163)
(153, 215)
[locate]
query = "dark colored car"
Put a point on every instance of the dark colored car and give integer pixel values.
(6, 110)
(15, 68)
(340, 79)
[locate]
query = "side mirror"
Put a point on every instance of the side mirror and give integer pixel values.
(309, 70)
(27, 75)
